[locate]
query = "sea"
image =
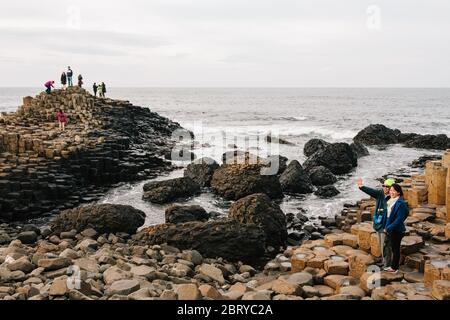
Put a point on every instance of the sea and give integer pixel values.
(223, 119)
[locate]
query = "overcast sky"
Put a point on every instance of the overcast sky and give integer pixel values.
(229, 43)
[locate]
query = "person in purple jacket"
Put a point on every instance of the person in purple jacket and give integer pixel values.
(62, 119)
(49, 86)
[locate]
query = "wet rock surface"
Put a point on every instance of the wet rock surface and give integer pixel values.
(105, 218)
(236, 181)
(201, 171)
(259, 209)
(339, 158)
(295, 179)
(378, 134)
(166, 191)
(179, 214)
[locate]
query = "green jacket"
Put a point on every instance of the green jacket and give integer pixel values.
(380, 215)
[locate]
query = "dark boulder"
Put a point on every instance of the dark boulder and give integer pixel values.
(295, 238)
(201, 171)
(104, 218)
(338, 157)
(275, 164)
(314, 145)
(377, 134)
(438, 142)
(295, 179)
(27, 237)
(359, 149)
(326, 192)
(405, 137)
(421, 161)
(30, 227)
(260, 210)
(179, 214)
(236, 181)
(321, 176)
(169, 190)
(225, 238)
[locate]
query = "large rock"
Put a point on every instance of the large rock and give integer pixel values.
(188, 291)
(321, 176)
(441, 289)
(284, 286)
(169, 190)
(295, 179)
(50, 264)
(326, 192)
(359, 149)
(201, 171)
(338, 157)
(439, 142)
(27, 237)
(260, 210)
(212, 272)
(313, 146)
(226, 238)
(377, 134)
(123, 287)
(104, 218)
(237, 181)
(275, 164)
(179, 214)
(411, 244)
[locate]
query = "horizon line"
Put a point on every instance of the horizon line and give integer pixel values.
(251, 87)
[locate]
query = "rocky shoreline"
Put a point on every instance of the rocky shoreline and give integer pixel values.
(73, 260)
(255, 252)
(43, 171)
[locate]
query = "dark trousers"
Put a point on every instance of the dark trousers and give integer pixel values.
(396, 240)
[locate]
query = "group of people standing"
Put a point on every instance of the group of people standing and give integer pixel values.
(67, 76)
(100, 88)
(67, 79)
(391, 211)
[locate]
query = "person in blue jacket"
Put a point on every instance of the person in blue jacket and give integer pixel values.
(380, 216)
(397, 212)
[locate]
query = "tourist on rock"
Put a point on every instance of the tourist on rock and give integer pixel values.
(69, 76)
(62, 119)
(100, 90)
(380, 216)
(63, 80)
(397, 212)
(103, 89)
(49, 86)
(94, 87)
(80, 80)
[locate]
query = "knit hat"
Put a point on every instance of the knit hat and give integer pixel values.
(388, 182)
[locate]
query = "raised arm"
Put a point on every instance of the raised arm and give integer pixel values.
(371, 192)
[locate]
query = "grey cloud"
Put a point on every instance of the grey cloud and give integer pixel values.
(81, 41)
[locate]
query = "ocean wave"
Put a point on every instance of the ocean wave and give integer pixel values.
(330, 134)
(299, 118)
